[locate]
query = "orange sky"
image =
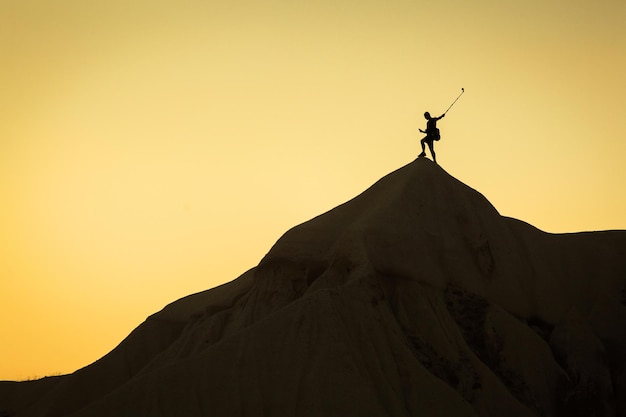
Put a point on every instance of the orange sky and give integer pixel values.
(152, 149)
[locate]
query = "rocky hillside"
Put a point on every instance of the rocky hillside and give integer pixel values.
(414, 298)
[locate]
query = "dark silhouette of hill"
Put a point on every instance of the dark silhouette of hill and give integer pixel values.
(414, 298)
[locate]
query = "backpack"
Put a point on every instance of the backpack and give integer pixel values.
(435, 134)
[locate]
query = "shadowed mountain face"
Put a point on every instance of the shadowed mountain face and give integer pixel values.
(414, 298)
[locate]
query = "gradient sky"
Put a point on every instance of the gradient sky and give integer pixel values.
(153, 149)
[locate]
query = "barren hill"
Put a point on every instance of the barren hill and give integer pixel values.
(414, 298)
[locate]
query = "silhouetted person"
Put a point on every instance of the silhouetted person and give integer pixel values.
(432, 134)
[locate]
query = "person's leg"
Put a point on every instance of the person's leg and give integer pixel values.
(423, 147)
(431, 146)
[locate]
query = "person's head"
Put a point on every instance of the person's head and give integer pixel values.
(427, 116)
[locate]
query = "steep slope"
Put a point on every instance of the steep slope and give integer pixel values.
(414, 298)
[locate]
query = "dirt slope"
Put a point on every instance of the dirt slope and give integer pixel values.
(414, 298)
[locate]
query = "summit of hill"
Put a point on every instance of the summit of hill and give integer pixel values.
(416, 297)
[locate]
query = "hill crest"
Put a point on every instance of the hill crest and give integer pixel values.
(414, 297)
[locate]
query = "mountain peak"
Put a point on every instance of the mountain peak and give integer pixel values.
(417, 221)
(413, 298)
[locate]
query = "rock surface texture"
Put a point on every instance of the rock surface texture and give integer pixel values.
(415, 298)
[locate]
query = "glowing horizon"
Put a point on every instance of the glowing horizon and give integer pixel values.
(151, 150)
